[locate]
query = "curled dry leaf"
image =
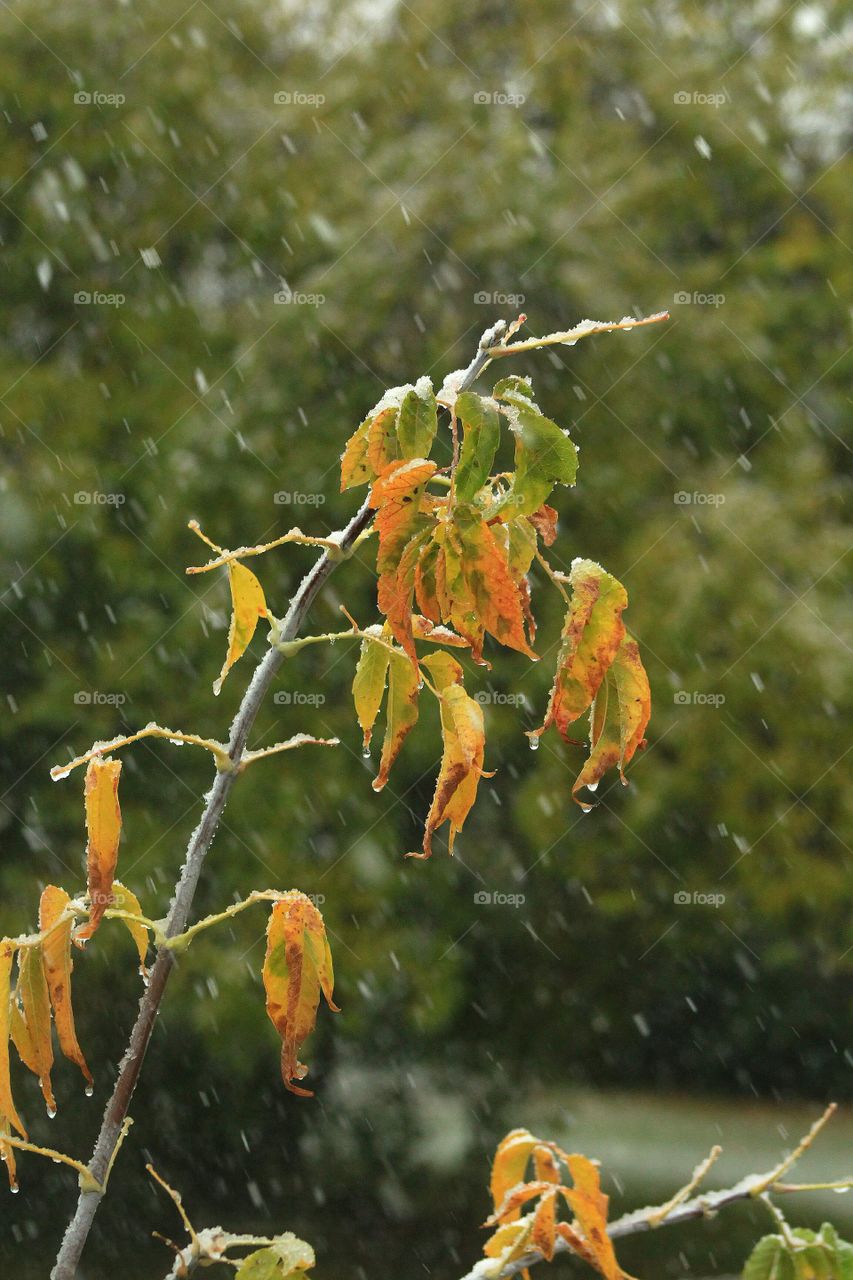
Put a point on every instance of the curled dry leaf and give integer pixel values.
(247, 606)
(57, 970)
(103, 824)
(297, 967)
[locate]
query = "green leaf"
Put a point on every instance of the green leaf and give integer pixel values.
(286, 1259)
(417, 422)
(517, 387)
(544, 456)
(770, 1260)
(481, 427)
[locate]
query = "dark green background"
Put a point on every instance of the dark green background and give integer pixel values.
(401, 197)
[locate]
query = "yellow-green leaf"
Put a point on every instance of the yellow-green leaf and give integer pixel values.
(401, 713)
(57, 969)
(464, 740)
(35, 1003)
(8, 1111)
(103, 825)
(297, 967)
(618, 719)
(368, 686)
(417, 422)
(247, 606)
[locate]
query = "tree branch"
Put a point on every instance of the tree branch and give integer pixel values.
(65, 1267)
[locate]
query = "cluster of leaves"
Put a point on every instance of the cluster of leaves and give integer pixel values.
(539, 1228)
(40, 993)
(453, 564)
(801, 1254)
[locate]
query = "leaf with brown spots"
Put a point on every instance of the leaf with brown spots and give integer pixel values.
(103, 824)
(464, 739)
(8, 1113)
(592, 635)
(544, 522)
(57, 971)
(618, 719)
(297, 967)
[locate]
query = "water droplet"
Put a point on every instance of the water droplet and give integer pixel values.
(534, 743)
(89, 1090)
(51, 1112)
(365, 753)
(592, 786)
(15, 1189)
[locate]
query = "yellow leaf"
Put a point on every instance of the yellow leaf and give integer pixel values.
(590, 1207)
(464, 740)
(35, 1002)
(103, 824)
(247, 605)
(127, 901)
(7, 1154)
(8, 1112)
(401, 713)
(382, 447)
(57, 970)
(368, 686)
(510, 1162)
(297, 967)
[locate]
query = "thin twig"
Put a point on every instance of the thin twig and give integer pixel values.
(65, 1267)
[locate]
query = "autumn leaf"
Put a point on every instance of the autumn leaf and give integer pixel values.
(590, 1207)
(544, 522)
(592, 634)
(464, 739)
(297, 967)
(103, 824)
(425, 629)
(425, 582)
(475, 588)
(37, 1053)
(124, 900)
(382, 446)
(401, 713)
(57, 970)
(417, 421)
(619, 718)
(510, 1162)
(368, 686)
(401, 524)
(8, 1113)
(370, 437)
(247, 606)
(481, 435)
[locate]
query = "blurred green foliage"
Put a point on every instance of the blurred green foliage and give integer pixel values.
(681, 151)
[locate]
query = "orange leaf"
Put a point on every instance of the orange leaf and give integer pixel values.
(297, 967)
(544, 1233)
(510, 1162)
(247, 606)
(544, 522)
(592, 634)
(425, 587)
(398, 496)
(8, 1113)
(590, 1207)
(35, 1002)
(57, 970)
(103, 823)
